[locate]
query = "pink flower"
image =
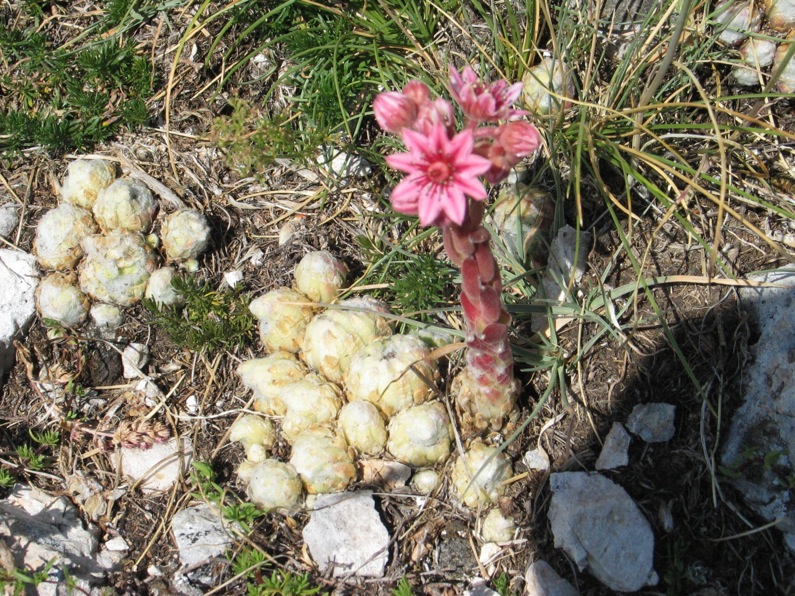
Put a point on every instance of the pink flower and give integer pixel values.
(394, 111)
(482, 103)
(442, 172)
(519, 138)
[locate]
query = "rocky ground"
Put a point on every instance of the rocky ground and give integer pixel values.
(636, 474)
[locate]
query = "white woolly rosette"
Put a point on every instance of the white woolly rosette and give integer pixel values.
(84, 179)
(283, 316)
(185, 235)
(333, 337)
(274, 485)
(363, 427)
(322, 460)
(267, 376)
(116, 267)
(393, 373)
(58, 236)
(160, 287)
(59, 298)
(320, 276)
(309, 402)
(479, 476)
(420, 435)
(127, 204)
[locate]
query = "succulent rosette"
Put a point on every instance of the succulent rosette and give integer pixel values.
(59, 298)
(116, 267)
(185, 235)
(333, 337)
(160, 287)
(127, 204)
(363, 427)
(322, 460)
(283, 316)
(480, 475)
(253, 431)
(420, 435)
(309, 402)
(84, 179)
(393, 373)
(58, 236)
(267, 376)
(274, 485)
(320, 276)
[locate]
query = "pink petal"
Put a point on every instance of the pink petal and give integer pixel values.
(405, 196)
(405, 162)
(416, 142)
(455, 205)
(471, 187)
(429, 207)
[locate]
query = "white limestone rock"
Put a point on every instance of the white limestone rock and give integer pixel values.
(157, 468)
(654, 423)
(614, 452)
(346, 533)
(541, 580)
(18, 280)
(200, 535)
(765, 423)
(601, 528)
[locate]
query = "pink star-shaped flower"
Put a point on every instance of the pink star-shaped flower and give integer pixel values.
(481, 102)
(442, 172)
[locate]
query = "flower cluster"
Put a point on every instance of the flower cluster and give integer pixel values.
(443, 165)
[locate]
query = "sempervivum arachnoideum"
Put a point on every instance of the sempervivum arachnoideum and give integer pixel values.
(267, 376)
(334, 336)
(420, 435)
(116, 267)
(479, 476)
(393, 373)
(283, 316)
(320, 276)
(323, 461)
(84, 179)
(59, 234)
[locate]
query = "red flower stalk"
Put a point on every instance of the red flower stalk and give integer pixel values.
(443, 189)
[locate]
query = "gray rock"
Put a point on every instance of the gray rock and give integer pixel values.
(760, 446)
(200, 535)
(541, 580)
(133, 359)
(536, 459)
(654, 423)
(18, 280)
(157, 468)
(382, 472)
(601, 528)
(38, 529)
(9, 219)
(479, 588)
(614, 451)
(345, 532)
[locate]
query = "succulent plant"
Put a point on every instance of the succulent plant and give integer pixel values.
(84, 179)
(322, 461)
(58, 236)
(425, 481)
(497, 528)
(107, 317)
(185, 235)
(420, 435)
(546, 86)
(267, 376)
(780, 14)
(283, 316)
(393, 372)
(273, 484)
(738, 19)
(127, 204)
(160, 289)
(310, 402)
(363, 427)
(59, 298)
(320, 276)
(756, 54)
(786, 81)
(479, 476)
(334, 336)
(116, 267)
(251, 430)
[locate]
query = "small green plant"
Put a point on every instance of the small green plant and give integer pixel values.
(232, 508)
(49, 438)
(6, 479)
(248, 564)
(502, 584)
(207, 319)
(403, 588)
(19, 581)
(30, 458)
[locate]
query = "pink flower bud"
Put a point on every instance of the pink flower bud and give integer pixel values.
(394, 111)
(418, 92)
(519, 138)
